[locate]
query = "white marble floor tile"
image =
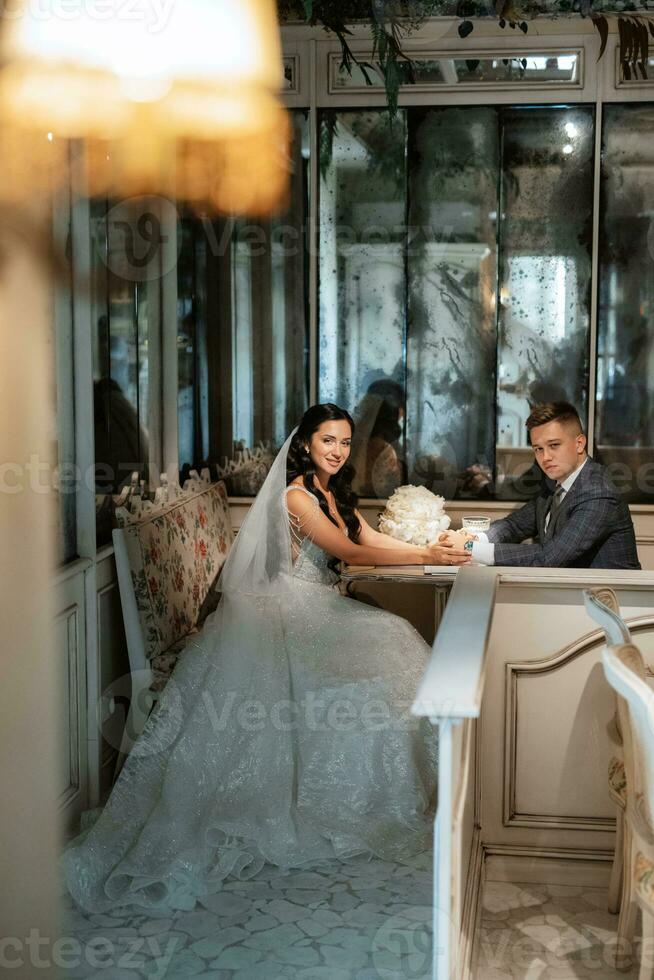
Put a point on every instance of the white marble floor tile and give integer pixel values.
(546, 932)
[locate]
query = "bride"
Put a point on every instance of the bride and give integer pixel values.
(284, 734)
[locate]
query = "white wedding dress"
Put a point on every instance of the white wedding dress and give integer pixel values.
(283, 736)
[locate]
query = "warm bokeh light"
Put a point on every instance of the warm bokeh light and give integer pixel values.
(183, 97)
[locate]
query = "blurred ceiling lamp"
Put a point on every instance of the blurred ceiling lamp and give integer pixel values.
(173, 97)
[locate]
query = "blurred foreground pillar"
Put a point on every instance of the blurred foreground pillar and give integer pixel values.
(29, 696)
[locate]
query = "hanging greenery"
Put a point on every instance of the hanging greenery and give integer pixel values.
(391, 21)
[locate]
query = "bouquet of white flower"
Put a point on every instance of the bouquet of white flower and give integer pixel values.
(415, 515)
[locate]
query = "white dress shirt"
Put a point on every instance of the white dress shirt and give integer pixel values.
(483, 550)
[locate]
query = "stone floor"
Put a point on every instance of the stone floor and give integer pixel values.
(546, 932)
(364, 920)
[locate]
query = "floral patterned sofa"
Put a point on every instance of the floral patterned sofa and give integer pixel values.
(168, 555)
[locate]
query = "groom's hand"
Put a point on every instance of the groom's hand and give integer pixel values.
(457, 538)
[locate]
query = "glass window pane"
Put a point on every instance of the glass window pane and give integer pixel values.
(120, 358)
(191, 340)
(362, 300)
(243, 333)
(291, 72)
(624, 420)
(67, 481)
(521, 69)
(635, 78)
(243, 328)
(454, 164)
(499, 205)
(425, 71)
(371, 76)
(545, 267)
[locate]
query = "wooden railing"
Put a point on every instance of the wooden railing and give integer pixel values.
(450, 696)
(516, 689)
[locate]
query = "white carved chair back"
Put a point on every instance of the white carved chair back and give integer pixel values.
(602, 606)
(625, 671)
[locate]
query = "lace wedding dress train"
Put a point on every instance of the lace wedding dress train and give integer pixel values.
(283, 736)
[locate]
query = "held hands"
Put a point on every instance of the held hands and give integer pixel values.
(448, 549)
(456, 538)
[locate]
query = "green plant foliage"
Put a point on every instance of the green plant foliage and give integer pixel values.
(391, 21)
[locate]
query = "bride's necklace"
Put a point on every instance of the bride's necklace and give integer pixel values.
(331, 503)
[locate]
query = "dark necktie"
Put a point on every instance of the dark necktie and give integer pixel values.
(555, 502)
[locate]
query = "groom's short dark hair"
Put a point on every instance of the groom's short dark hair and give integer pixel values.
(562, 412)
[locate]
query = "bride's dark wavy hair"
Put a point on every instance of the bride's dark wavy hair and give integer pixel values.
(299, 463)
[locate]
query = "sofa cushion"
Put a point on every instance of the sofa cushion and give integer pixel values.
(644, 878)
(175, 554)
(164, 664)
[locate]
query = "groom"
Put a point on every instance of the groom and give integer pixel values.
(578, 520)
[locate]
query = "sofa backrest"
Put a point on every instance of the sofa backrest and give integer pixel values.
(175, 554)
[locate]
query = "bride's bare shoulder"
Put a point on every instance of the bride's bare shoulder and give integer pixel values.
(298, 497)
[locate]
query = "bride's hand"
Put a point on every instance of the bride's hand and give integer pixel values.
(455, 537)
(448, 552)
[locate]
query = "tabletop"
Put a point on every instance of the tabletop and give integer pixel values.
(423, 574)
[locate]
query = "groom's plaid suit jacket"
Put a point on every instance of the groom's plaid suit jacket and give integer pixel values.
(591, 529)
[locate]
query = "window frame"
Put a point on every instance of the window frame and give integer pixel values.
(600, 83)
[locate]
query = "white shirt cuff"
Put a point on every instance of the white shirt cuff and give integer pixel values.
(483, 551)
(482, 536)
